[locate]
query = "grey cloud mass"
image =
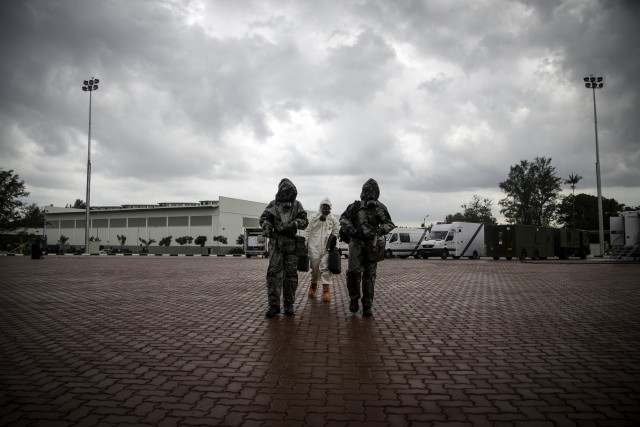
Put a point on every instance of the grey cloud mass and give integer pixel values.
(434, 99)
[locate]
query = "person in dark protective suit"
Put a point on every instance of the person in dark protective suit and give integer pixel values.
(281, 220)
(361, 224)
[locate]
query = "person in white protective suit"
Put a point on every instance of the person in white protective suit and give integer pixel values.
(322, 235)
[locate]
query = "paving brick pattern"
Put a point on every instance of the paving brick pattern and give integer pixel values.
(184, 341)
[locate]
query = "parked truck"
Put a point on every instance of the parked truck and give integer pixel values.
(519, 241)
(456, 239)
(404, 242)
(255, 243)
(571, 242)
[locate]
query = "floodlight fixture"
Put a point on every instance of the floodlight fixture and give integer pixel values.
(88, 86)
(594, 83)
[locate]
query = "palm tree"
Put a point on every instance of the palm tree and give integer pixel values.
(572, 181)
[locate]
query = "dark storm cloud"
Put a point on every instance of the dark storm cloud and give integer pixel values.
(434, 99)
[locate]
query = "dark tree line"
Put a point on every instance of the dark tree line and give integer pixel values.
(532, 190)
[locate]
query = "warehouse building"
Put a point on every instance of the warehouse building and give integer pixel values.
(223, 217)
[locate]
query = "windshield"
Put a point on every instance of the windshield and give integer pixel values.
(437, 235)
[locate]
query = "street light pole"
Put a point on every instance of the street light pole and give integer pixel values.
(594, 83)
(88, 86)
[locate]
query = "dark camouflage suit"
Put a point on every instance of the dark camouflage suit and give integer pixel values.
(362, 222)
(281, 219)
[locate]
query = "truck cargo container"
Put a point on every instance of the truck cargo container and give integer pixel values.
(519, 241)
(570, 242)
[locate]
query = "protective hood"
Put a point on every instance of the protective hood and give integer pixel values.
(371, 185)
(286, 186)
(324, 201)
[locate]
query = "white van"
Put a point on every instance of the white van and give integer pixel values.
(343, 247)
(458, 239)
(404, 242)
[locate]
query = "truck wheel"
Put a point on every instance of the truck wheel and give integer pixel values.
(425, 256)
(536, 255)
(388, 254)
(508, 258)
(445, 254)
(416, 256)
(497, 258)
(476, 255)
(523, 255)
(248, 255)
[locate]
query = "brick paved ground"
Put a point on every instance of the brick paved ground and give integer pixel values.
(184, 341)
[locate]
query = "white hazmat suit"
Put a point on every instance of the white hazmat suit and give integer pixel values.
(321, 226)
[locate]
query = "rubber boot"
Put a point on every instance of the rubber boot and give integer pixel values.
(312, 290)
(326, 296)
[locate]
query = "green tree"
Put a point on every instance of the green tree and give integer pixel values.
(220, 239)
(454, 218)
(122, 239)
(478, 210)
(240, 240)
(165, 241)
(62, 241)
(573, 181)
(146, 243)
(78, 204)
(184, 240)
(31, 216)
(532, 190)
(201, 240)
(11, 190)
(581, 211)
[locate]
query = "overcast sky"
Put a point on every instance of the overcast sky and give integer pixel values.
(435, 99)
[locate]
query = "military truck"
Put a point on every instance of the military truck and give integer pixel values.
(571, 242)
(519, 241)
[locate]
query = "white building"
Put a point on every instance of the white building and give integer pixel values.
(223, 217)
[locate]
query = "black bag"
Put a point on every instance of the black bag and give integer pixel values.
(344, 237)
(301, 246)
(303, 262)
(375, 252)
(335, 262)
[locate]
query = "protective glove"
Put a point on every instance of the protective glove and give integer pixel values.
(368, 233)
(267, 228)
(293, 226)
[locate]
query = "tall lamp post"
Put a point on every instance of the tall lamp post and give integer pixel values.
(594, 83)
(88, 86)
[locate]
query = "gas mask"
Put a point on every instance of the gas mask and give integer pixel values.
(370, 199)
(325, 210)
